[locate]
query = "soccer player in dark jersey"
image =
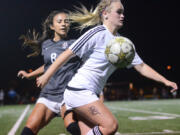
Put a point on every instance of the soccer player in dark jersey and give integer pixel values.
(52, 43)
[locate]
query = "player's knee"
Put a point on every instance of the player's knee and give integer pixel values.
(114, 127)
(27, 131)
(34, 128)
(111, 127)
(73, 128)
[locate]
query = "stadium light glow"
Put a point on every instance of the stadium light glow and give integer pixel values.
(169, 67)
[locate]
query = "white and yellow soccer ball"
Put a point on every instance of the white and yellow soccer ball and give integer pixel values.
(120, 51)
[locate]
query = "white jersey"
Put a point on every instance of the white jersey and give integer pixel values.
(96, 68)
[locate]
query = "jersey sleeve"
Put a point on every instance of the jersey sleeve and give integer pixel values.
(44, 45)
(85, 43)
(42, 48)
(101, 93)
(136, 61)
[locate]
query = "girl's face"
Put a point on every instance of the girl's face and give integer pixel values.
(115, 14)
(60, 25)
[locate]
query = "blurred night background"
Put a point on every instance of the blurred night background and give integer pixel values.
(153, 26)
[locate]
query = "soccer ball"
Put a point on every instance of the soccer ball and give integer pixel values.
(120, 52)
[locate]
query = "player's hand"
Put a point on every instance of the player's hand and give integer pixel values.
(41, 81)
(22, 74)
(173, 85)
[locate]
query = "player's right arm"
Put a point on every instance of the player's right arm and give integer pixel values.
(35, 73)
(61, 59)
(80, 47)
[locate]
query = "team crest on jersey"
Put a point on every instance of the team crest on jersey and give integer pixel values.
(65, 45)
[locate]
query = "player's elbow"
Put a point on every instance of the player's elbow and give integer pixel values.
(140, 67)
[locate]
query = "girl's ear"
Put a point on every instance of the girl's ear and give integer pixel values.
(105, 16)
(51, 27)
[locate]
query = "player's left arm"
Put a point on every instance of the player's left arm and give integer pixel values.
(150, 73)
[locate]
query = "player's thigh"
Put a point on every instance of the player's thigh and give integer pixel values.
(49, 115)
(84, 126)
(63, 111)
(97, 113)
(68, 119)
(39, 116)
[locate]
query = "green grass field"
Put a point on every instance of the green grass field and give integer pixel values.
(135, 118)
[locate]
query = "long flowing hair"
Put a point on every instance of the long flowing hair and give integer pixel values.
(33, 39)
(91, 17)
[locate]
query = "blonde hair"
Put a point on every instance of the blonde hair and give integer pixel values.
(90, 18)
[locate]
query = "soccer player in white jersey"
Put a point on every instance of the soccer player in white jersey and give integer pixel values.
(82, 90)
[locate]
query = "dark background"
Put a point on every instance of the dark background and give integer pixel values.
(151, 24)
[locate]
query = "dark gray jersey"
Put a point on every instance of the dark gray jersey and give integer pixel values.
(55, 87)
